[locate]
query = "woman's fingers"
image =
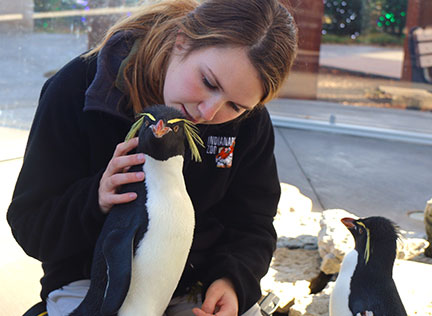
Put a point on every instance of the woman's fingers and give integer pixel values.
(119, 179)
(125, 147)
(115, 176)
(119, 164)
(114, 199)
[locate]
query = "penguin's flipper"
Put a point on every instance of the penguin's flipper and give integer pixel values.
(117, 250)
(365, 313)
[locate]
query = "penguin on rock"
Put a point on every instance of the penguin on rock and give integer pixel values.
(364, 286)
(133, 270)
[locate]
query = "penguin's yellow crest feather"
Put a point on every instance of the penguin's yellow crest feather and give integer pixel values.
(190, 129)
(367, 250)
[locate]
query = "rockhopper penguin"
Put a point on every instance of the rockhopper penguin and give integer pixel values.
(365, 286)
(143, 246)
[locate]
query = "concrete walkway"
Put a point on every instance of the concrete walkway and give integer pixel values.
(386, 171)
(19, 274)
(370, 60)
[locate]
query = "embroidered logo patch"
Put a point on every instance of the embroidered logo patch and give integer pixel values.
(223, 149)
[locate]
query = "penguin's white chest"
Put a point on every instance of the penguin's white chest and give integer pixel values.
(341, 291)
(162, 253)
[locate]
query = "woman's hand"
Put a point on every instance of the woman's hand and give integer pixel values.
(115, 176)
(220, 300)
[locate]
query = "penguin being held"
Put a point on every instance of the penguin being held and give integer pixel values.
(364, 286)
(143, 246)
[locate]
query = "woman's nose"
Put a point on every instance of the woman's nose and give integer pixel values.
(209, 108)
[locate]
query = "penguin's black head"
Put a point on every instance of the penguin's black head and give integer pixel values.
(163, 131)
(373, 236)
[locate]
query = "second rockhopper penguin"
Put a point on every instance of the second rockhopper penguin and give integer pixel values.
(143, 246)
(365, 286)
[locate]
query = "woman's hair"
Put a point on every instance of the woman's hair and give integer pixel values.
(265, 28)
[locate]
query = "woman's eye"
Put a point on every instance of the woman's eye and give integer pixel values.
(208, 84)
(234, 106)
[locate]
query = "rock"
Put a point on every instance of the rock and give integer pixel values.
(410, 248)
(293, 201)
(295, 223)
(303, 241)
(312, 305)
(334, 240)
(289, 273)
(428, 227)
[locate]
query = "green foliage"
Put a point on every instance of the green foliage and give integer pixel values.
(58, 5)
(64, 24)
(366, 21)
(393, 16)
(71, 23)
(343, 17)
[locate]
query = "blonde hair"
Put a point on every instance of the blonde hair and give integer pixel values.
(264, 27)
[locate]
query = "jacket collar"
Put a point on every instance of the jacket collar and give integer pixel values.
(103, 94)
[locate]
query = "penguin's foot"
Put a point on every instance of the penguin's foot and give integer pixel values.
(366, 313)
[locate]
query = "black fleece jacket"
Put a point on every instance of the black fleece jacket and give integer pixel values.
(55, 216)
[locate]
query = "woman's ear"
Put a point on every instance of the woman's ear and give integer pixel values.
(181, 43)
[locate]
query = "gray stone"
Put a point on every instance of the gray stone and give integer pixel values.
(428, 227)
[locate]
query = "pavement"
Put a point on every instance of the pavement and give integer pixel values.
(368, 161)
(378, 61)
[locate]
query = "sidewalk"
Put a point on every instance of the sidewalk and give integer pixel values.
(19, 274)
(378, 163)
(363, 59)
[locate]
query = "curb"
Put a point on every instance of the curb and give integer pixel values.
(352, 130)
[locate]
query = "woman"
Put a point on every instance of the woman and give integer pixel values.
(217, 62)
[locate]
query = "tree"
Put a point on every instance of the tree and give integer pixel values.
(393, 16)
(343, 17)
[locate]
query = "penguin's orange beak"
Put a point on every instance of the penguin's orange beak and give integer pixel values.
(159, 130)
(348, 222)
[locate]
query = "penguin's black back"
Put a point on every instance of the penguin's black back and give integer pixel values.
(125, 219)
(378, 295)
(372, 287)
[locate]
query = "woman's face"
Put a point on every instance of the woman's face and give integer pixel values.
(212, 85)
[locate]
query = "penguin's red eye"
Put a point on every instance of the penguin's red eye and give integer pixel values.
(360, 230)
(146, 123)
(176, 128)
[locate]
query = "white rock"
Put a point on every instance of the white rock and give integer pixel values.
(289, 273)
(312, 304)
(292, 200)
(295, 223)
(334, 240)
(409, 248)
